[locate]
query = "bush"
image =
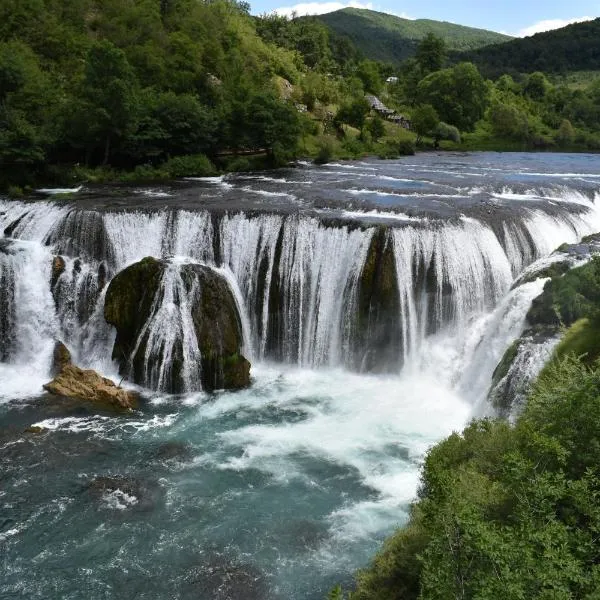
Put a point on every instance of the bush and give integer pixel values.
(193, 165)
(406, 148)
(14, 191)
(238, 165)
(325, 151)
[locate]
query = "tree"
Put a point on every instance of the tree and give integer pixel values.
(353, 114)
(565, 134)
(424, 120)
(431, 53)
(376, 127)
(536, 86)
(368, 72)
(459, 95)
(508, 121)
(109, 94)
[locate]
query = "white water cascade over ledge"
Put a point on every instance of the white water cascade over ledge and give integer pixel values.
(297, 280)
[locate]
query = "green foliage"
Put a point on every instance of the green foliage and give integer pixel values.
(197, 165)
(376, 128)
(536, 86)
(508, 121)
(565, 134)
(424, 120)
(325, 150)
(353, 114)
(368, 72)
(459, 95)
(431, 53)
(126, 84)
(506, 511)
(443, 131)
(571, 48)
(391, 39)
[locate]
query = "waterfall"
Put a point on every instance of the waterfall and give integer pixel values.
(299, 282)
(169, 333)
(29, 323)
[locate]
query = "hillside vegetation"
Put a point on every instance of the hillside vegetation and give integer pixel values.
(96, 90)
(388, 38)
(572, 48)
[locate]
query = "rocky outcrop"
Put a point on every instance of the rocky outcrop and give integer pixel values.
(132, 300)
(86, 385)
(377, 330)
(568, 304)
(58, 268)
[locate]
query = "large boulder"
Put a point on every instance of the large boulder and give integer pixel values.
(159, 355)
(84, 384)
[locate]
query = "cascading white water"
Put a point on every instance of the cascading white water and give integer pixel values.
(169, 333)
(295, 279)
(29, 322)
(319, 270)
(248, 247)
(470, 272)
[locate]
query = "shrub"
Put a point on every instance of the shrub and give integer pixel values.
(193, 165)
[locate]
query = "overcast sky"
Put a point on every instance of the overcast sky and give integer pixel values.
(515, 17)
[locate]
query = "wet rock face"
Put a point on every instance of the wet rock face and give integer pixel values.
(135, 303)
(86, 385)
(377, 328)
(58, 268)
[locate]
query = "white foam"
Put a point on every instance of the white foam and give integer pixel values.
(118, 500)
(150, 193)
(383, 215)
(57, 191)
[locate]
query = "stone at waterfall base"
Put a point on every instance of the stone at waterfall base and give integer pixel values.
(87, 385)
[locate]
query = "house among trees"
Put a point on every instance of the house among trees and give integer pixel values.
(388, 114)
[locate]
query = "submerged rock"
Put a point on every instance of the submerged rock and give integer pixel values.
(124, 492)
(158, 309)
(173, 451)
(72, 382)
(221, 578)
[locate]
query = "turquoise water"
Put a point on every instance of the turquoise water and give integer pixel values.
(279, 491)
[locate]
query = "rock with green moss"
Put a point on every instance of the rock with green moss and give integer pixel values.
(377, 333)
(131, 299)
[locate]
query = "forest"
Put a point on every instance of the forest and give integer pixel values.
(100, 90)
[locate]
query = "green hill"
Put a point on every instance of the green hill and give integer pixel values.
(572, 48)
(388, 38)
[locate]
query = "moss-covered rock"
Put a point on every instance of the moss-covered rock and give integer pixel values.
(554, 270)
(130, 300)
(377, 336)
(58, 268)
(566, 299)
(503, 367)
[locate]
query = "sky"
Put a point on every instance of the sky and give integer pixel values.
(514, 17)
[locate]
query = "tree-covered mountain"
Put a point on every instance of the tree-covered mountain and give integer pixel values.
(575, 47)
(388, 38)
